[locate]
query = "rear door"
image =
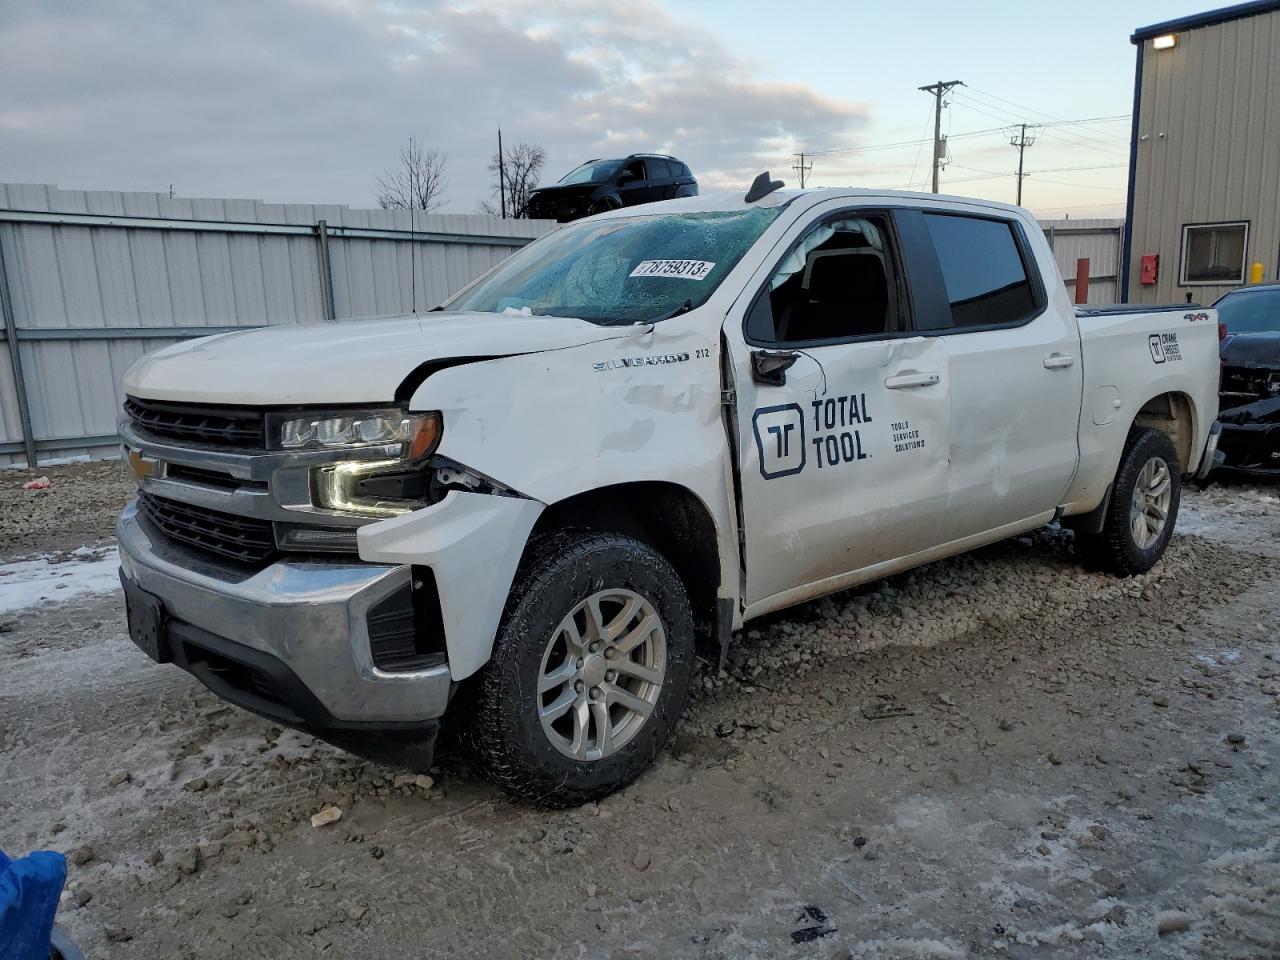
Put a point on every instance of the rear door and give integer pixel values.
(1014, 360)
(842, 409)
(634, 186)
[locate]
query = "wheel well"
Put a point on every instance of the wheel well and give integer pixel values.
(666, 516)
(1172, 414)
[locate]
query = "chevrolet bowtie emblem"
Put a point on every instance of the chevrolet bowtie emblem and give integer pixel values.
(142, 466)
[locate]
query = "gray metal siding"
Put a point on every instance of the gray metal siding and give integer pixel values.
(69, 280)
(1097, 239)
(1208, 149)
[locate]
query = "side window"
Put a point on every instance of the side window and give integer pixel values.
(982, 268)
(838, 282)
(635, 169)
(658, 169)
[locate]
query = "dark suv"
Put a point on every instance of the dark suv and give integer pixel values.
(600, 185)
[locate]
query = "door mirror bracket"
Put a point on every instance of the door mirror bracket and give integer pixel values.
(769, 367)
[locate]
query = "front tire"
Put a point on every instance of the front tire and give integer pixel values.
(1143, 509)
(590, 670)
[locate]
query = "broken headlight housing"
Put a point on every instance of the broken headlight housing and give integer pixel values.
(375, 488)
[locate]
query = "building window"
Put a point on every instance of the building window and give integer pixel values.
(1214, 253)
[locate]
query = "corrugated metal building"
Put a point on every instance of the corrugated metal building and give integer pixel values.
(1204, 167)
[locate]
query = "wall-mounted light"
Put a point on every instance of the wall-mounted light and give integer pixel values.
(1166, 41)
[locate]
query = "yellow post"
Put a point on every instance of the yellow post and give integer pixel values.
(1255, 273)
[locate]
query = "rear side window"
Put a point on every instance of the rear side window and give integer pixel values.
(983, 270)
(659, 169)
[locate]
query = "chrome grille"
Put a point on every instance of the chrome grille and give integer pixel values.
(236, 427)
(243, 539)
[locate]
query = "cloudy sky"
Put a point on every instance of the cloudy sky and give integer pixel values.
(309, 100)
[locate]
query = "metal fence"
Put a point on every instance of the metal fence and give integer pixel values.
(1098, 240)
(91, 281)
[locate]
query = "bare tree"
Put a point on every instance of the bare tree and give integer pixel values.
(418, 183)
(518, 173)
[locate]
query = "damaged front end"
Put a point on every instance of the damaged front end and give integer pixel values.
(1250, 404)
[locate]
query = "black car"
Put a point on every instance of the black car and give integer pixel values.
(600, 185)
(1249, 397)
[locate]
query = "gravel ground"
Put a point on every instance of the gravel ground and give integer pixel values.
(79, 509)
(1083, 767)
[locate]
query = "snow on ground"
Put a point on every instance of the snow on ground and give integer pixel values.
(26, 583)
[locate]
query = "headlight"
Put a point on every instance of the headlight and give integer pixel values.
(384, 487)
(418, 432)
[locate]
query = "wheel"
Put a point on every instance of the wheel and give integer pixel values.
(590, 670)
(1143, 509)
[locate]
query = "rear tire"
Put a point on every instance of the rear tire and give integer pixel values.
(1143, 509)
(590, 670)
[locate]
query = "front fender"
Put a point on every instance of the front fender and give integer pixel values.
(645, 406)
(473, 543)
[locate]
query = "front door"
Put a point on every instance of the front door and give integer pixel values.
(843, 413)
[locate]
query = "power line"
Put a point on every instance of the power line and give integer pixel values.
(991, 96)
(1075, 138)
(938, 89)
(915, 162)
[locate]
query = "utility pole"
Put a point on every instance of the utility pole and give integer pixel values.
(801, 167)
(938, 89)
(502, 180)
(1021, 141)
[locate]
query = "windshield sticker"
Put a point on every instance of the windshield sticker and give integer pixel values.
(685, 269)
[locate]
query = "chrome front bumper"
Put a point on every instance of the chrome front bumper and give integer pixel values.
(309, 615)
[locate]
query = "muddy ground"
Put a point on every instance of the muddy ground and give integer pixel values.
(1084, 762)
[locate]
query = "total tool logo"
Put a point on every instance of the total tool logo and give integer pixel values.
(780, 440)
(788, 437)
(1164, 347)
(835, 437)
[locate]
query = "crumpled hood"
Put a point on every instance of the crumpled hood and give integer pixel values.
(353, 361)
(1252, 350)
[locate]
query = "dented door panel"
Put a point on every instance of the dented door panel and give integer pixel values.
(841, 471)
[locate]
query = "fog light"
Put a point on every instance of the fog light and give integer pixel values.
(369, 488)
(335, 539)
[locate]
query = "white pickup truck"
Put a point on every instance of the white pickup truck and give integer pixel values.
(525, 507)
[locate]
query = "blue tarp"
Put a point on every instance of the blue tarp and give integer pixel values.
(29, 891)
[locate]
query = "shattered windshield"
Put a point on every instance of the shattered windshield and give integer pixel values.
(592, 172)
(620, 270)
(1250, 311)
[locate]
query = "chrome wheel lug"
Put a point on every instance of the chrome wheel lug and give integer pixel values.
(595, 693)
(594, 648)
(610, 654)
(580, 662)
(579, 686)
(611, 675)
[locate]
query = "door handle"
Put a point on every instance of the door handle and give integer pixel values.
(1056, 361)
(911, 378)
